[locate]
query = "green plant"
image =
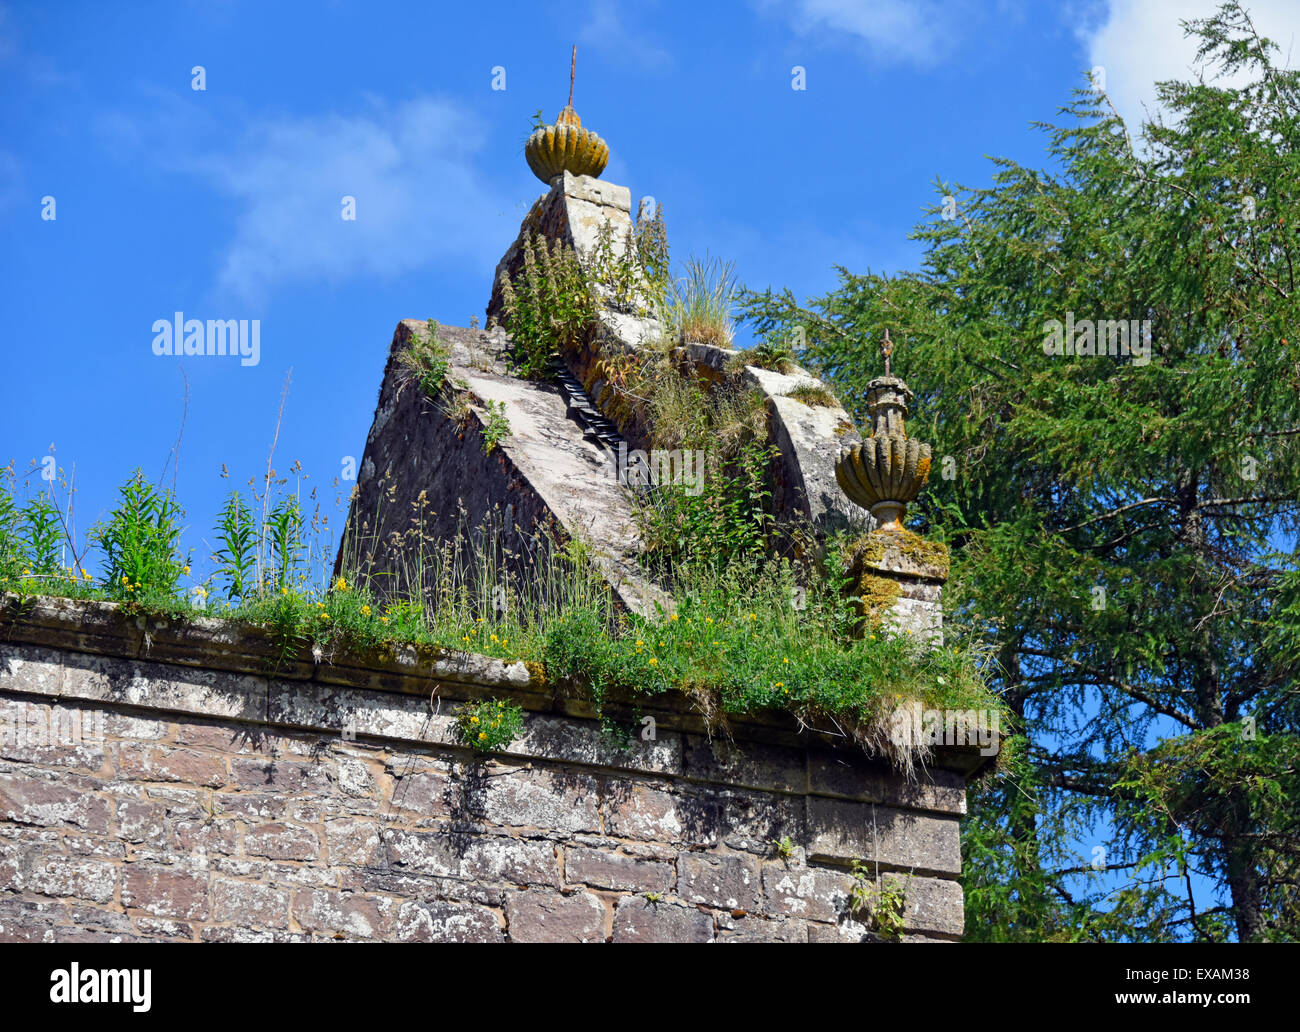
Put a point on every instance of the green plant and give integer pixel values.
(547, 306)
(815, 394)
(427, 359)
(774, 354)
(654, 897)
(284, 532)
(631, 275)
(650, 239)
(496, 427)
(489, 725)
(620, 735)
(42, 536)
(783, 848)
(735, 644)
(723, 518)
(12, 552)
(880, 901)
(141, 543)
(699, 304)
(238, 537)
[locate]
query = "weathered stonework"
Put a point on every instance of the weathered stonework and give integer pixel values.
(807, 437)
(228, 796)
(899, 576)
(546, 479)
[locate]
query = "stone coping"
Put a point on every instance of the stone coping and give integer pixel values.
(107, 629)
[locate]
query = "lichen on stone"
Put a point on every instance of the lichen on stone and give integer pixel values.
(908, 543)
(877, 593)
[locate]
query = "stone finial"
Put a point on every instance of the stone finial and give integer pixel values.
(887, 470)
(565, 146)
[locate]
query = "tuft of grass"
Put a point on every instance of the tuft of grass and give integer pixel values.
(815, 394)
(699, 304)
(750, 637)
(775, 355)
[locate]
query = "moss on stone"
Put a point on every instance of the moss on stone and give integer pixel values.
(877, 593)
(911, 545)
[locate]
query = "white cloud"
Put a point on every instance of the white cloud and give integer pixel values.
(409, 168)
(919, 32)
(1140, 42)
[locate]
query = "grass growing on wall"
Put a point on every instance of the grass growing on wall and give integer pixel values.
(748, 634)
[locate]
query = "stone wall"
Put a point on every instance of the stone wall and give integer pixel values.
(215, 791)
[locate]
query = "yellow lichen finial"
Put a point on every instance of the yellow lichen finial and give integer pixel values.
(565, 146)
(888, 469)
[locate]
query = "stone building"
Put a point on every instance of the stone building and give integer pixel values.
(215, 792)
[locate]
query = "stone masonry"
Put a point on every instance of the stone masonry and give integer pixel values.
(213, 792)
